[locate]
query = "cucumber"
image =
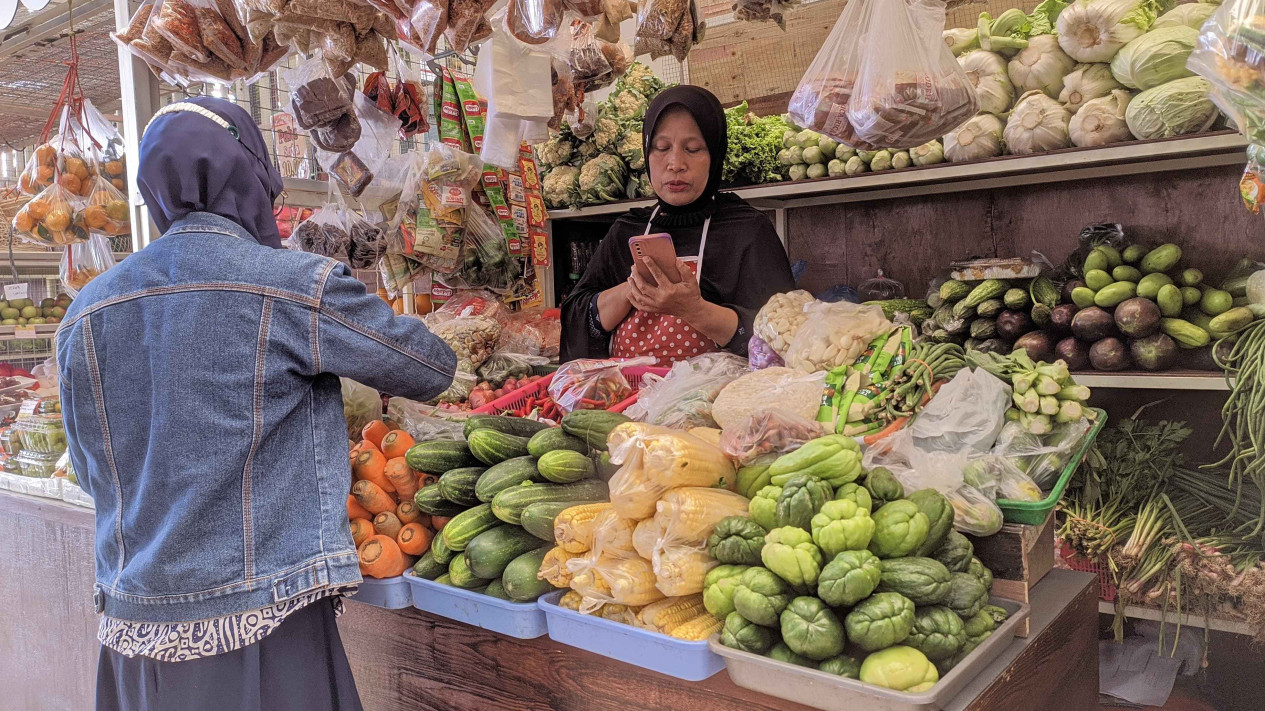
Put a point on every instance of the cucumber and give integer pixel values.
(428, 568)
(458, 485)
(520, 578)
(517, 426)
(490, 551)
(440, 551)
(554, 439)
(430, 500)
(537, 519)
(509, 504)
(593, 426)
(564, 466)
(461, 575)
(493, 447)
(466, 525)
(605, 467)
(439, 456)
(496, 589)
(444, 579)
(509, 473)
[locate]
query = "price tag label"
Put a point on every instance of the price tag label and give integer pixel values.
(16, 291)
(24, 332)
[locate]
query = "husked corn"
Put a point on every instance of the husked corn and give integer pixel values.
(612, 535)
(553, 569)
(571, 600)
(699, 628)
(680, 570)
(665, 615)
(690, 514)
(573, 528)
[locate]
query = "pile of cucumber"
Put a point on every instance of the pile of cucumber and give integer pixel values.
(502, 489)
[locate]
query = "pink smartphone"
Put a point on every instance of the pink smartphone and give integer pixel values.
(657, 247)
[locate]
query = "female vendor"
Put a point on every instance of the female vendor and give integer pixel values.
(732, 248)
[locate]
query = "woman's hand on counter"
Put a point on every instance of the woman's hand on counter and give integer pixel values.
(683, 300)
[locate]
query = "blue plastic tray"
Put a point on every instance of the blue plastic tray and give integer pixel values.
(691, 661)
(523, 620)
(391, 593)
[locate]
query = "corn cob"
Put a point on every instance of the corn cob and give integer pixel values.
(631, 580)
(699, 628)
(573, 528)
(623, 614)
(645, 538)
(689, 514)
(680, 570)
(571, 600)
(553, 569)
(668, 459)
(667, 614)
(612, 535)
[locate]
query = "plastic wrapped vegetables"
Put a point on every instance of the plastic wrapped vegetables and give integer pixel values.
(602, 179)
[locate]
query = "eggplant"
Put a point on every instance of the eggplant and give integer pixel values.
(1061, 318)
(1109, 354)
(1156, 352)
(1013, 324)
(1069, 287)
(1073, 352)
(1138, 317)
(993, 345)
(1039, 345)
(1201, 358)
(1093, 324)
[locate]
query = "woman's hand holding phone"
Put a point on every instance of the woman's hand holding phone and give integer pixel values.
(675, 294)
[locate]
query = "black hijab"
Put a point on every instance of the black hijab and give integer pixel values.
(190, 163)
(710, 117)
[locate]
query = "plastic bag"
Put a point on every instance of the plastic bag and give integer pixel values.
(472, 338)
(1008, 481)
(427, 22)
(534, 21)
(356, 168)
(777, 321)
(1043, 457)
(83, 262)
(768, 431)
(687, 515)
(967, 414)
(107, 212)
(367, 242)
(421, 421)
(612, 535)
(361, 405)
(533, 333)
(505, 364)
(682, 399)
(884, 78)
(795, 392)
(432, 216)
(324, 233)
(463, 383)
(472, 302)
(653, 460)
(589, 384)
(605, 580)
(54, 218)
(834, 335)
(761, 355)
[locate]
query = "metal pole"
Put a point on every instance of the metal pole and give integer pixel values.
(138, 88)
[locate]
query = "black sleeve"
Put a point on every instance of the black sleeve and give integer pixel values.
(582, 332)
(763, 270)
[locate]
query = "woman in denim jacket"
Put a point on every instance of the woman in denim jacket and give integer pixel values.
(200, 389)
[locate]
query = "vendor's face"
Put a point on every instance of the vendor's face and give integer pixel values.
(679, 161)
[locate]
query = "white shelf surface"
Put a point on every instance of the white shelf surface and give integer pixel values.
(1218, 624)
(1174, 380)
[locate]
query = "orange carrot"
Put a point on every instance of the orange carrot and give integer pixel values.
(396, 443)
(381, 557)
(414, 539)
(438, 522)
(387, 523)
(892, 428)
(372, 497)
(360, 530)
(408, 512)
(374, 432)
(355, 510)
(401, 476)
(424, 480)
(369, 465)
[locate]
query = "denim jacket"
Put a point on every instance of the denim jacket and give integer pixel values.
(200, 391)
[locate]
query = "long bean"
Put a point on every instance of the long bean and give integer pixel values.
(1243, 415)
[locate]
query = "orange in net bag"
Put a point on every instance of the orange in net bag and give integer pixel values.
(83, 262)
(53, 218)
(107, 212)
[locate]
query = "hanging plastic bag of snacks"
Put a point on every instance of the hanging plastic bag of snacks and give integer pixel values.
(53, 218)
(107, 212)
(83, 262)
(433, 221)
(324, 233)
(486, 261)
(367, 242)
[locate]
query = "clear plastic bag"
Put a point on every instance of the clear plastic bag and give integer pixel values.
(54, 218)
(613, 535)
(506, 364)
(687, 515)
(324, 233)
(423, 422)
(367, 241)
(356, 169)
(534, 21)
(654, 460)
(781, 316)
(589, 384)
(472, 302)
(463, 383)
(682, 399)
(107, 212)
(797, 393)
(1011, 483)
(605, 579)
(834, 335)
(472, 338)
(83, 262)
(428, 20)
(761, 355)
(431, 220)
(361, 405)
(533, 333)
(1041, 457)
(966, 415)
(768, 431)
(884, 78)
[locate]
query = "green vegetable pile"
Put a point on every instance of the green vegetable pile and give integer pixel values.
(754, 142)
(853, 577)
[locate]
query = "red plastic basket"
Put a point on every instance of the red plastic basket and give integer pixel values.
(515, 399)
(1075, 561)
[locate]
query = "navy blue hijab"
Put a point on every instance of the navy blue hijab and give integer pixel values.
(189, 163)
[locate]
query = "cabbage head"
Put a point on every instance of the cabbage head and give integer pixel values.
(1094, 30)
(1191, 14)
(1156, 57)
(1176, 108)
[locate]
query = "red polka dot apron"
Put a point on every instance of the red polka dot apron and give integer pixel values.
(664, 337)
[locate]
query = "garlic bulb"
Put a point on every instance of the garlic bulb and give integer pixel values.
(1086, 82)
(1037, 124)
(1041, 66)
(1101, 121)
(987, 73)
(978, 138)
(1094, 30)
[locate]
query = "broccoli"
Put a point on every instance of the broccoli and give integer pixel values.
(561, 187)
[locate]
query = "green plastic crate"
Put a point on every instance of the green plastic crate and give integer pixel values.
(1034, 512)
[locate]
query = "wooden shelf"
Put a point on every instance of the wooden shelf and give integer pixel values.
(1170, 380)
(1219, 624)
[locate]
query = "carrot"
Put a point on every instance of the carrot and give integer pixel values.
(414, 539)
(408, 512)
(891, 428)
(369, 465)
(401, 476)
(387, 523)
(360, 530)
(438, 522)
(424, 480)
(372, 497)
(381, 557)
(355, 510)
(396, 443)
(374, 432)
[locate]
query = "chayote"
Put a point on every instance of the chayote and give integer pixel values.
(783, 653)
(802, 496)
(901, 668)
(939, 514)
(835, 459)
(937, 633)
(842, 665)
(967, 595)
(841, 526)
(791, 553)
(719, 586)
(955, 553)
(899, 528)
(925, 581)
(998, 613)
(883, 486)
(857, 494)
(763, 508)
(754, 476)
(741, 633)
(761, 596)
(812, 629)
(736, 540)
(880, 620)
(976, 568)
(849, 578)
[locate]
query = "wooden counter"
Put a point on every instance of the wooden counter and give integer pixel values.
(409, 660)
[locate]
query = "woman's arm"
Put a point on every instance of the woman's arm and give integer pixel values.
(714, 321)
(593, 308)
(613, 306)
(682, 299)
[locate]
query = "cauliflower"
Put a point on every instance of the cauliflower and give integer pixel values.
(585, 151)
(555, 151)
(605, 133)
(642, 79)
(561, 187)
(602, 179)
(631, 150)
(639, 186)
(628, 103)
